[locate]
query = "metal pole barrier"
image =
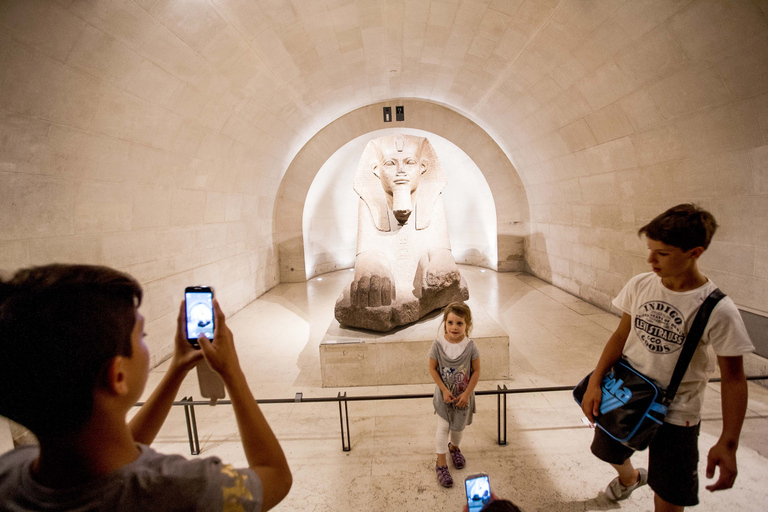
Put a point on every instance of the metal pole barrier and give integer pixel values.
(499, 409)
(346, 419)
(346, 445)
(189, 414)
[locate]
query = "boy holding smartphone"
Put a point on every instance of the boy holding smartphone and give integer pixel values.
(73, 363)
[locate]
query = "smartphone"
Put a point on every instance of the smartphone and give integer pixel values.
(478, 489)
(199, 306)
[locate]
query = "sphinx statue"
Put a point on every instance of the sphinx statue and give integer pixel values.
(404, 267)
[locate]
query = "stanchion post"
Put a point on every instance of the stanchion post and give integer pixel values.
(501, 412)
(344, 418)
(189, 414)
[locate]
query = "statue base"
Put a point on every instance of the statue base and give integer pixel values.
(358, 357)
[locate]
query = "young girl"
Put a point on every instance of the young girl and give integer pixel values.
(454, 363)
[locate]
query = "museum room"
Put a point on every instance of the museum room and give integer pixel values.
(339, 171)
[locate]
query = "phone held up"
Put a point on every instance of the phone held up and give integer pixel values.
(478, 489)
(198, 302)
(199, 306)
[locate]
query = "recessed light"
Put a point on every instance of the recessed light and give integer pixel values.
(319, 278)
(483, 270)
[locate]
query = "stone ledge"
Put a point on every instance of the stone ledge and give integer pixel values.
(358, 357)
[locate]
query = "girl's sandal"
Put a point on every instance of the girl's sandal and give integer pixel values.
(444, 476)
(456, 457)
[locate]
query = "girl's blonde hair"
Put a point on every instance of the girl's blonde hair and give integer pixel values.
(458, 309)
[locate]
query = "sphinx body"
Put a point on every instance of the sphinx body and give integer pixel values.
(404, 267)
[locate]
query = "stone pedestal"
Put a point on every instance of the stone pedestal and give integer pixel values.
(356, 357)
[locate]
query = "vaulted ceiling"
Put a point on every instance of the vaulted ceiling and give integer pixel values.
(119, 118)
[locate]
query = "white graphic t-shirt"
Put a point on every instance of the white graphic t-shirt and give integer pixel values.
(661, 319)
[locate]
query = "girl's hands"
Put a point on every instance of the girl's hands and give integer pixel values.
(460, 401)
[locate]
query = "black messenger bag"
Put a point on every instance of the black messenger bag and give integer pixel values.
(633, 406)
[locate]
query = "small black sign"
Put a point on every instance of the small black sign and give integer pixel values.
(400, 113)
(388, 114)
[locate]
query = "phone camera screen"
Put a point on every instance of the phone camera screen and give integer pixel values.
(478, 493)
(199, 315)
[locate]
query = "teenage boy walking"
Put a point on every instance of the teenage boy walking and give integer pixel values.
(666, 300)
(73, 362)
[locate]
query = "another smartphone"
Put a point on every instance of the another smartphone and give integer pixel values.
(199, 305)
(478, 489)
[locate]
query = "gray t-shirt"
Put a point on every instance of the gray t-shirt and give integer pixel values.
(152, 482)
(455, 374)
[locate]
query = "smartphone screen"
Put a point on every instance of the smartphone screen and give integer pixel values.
(199, 305)
(478, 491)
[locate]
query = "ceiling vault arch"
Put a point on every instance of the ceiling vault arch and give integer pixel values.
(502, 177)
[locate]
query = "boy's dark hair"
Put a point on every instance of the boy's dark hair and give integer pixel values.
(685, 226)
(501, 506)
(59, 326)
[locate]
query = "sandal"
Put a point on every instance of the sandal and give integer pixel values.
(444, 476)
(456, 457)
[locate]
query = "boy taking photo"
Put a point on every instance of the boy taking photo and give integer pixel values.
(73, 364)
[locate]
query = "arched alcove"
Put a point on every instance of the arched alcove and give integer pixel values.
(511, 203)
(330, 210)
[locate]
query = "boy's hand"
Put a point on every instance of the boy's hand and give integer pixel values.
(590, 404)
(185, 356)
(220, 353)
(448, 396)
(724, 457)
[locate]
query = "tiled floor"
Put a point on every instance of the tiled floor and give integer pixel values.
(555, 339)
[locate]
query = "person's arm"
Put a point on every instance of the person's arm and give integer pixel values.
(261, 447)
(464, 397)
(147, 422)
(733, 397)
(590, 404)
(433, 371)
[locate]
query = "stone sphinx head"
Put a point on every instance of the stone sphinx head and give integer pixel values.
(400, 173)
(399, 164)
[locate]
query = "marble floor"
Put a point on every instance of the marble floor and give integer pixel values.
(555, 339)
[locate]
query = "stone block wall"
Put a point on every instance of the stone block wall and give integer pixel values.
(630, 108)
(125, 144)
(177, 140)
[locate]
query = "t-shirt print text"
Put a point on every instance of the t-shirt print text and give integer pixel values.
(660, 327)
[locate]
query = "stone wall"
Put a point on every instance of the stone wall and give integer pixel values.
(170, 138)
(123, 146)
(627, 110)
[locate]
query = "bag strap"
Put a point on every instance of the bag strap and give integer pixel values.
(692, 341)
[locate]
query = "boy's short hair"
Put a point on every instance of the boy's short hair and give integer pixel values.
(59, 327)
(685, 226)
